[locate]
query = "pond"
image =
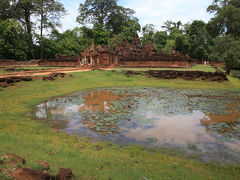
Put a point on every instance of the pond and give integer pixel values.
(201, 122)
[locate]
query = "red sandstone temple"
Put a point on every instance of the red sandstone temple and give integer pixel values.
(124, 55)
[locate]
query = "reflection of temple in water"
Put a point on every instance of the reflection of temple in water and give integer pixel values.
(231, 117)
(99, 101)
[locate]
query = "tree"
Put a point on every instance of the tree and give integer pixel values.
(118, 17)
(160, 39)
(169, 47)
(12, 40)
(148, 32)
(23, 10)
(171, 26)
(182, 44)
(116, 40)
(129, 29)
(100, 35)
(226, 16)
(198, 40)
(7, 9)
(48, 12)
(95, 11)
(106, 13)
(228, 49)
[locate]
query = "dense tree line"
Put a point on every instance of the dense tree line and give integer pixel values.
(28, 30)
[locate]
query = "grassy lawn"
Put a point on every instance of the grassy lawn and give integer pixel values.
(194, 68)
(20, 133)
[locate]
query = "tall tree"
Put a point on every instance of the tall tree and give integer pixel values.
(24, 10)
(106, 13)
(7, 9)
(228, 49)
(100, 35)
(171, 26)
(12, 40)
(198, 39)
(48, 12)
(226, 16)
(160, 39)
(117, 18)
(96, 11)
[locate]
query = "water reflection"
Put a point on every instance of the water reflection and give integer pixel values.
(203, 121)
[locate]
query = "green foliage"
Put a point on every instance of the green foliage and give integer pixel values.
(129, 28)
(48, 13)
(49, 49)
(119, 18)
(71, 42)
(228, 49)
(12, 43)
(227, 17)
(100, 35)
(160, 39)
(148, 32)
(115, 40)
(95, 12)
(198, 40)
(182, 44)
(106, 13)
(5, 10)
(169, 47)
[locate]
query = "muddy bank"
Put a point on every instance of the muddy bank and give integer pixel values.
(186, 75)
(15, 166)
(10, 81)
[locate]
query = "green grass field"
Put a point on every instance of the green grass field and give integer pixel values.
(194, 68)
(21, 134)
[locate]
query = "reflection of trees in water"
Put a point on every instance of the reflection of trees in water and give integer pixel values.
(52, 112)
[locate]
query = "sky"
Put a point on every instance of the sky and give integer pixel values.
(149, 11)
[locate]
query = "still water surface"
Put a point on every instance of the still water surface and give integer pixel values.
(205, 123)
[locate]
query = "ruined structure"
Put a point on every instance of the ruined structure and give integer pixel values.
(97, 56)
(124, 55)
(134, 55)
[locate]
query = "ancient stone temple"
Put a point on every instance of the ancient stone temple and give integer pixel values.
(149, 49)
(135, 55)
(125, 55)
(97, 56)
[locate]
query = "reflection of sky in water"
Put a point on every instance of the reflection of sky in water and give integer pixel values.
(159, 117)
(177, 129)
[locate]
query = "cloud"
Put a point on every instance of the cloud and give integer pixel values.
(158, 11)
(69, 20)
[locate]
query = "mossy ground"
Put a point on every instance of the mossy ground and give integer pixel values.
(21, 134)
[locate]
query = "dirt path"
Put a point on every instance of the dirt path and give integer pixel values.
(47, 72)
